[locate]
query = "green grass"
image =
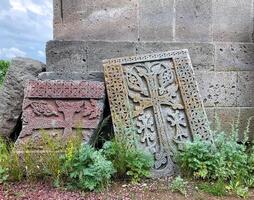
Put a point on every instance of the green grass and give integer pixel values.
(216, 189)
(4, 65)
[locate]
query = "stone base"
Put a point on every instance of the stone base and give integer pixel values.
(61, 108)
(90, 76)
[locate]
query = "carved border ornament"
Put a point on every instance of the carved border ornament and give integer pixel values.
(155, 103)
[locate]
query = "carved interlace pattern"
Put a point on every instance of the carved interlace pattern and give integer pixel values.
(65, 89)
(158, 95)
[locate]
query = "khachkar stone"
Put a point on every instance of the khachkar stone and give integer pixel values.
(61, 108)
(156, 95)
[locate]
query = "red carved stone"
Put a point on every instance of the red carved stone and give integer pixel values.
(61, 108)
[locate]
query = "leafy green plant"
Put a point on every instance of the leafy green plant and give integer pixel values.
(86, 168)
(224, 161)
(179, 185)
(4, 65)
(198, 159)
(127, 160)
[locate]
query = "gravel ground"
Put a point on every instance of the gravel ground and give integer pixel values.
(149, 190)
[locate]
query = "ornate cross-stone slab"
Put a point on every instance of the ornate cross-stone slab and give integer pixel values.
(157, 97)
(60, 108)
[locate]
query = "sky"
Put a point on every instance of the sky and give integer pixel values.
(25, 27)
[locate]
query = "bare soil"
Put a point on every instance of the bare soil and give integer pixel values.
(148, 190)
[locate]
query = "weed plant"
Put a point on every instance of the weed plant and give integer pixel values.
(128, 160)
(228, 160)
(86, 169)
(179, 185)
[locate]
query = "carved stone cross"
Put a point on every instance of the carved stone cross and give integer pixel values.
(157, 96)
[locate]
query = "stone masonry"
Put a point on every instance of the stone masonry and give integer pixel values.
(218, 34)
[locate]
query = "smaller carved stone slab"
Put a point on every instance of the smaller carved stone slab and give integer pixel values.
(61, 108)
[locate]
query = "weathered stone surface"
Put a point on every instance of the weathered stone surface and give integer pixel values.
(156, 20)
(234, 56)
(60, 108)
(12, 92)
(83, 56)
(218, 88)
(226, 118)
(202, 54)
(245, 89)
(232, 20)
(157, 95)
(92, 76)
(96, 20)
(66, 56)
(241, 118)
(98, 51)
(80, 56)
(193, 20)
(210, 112)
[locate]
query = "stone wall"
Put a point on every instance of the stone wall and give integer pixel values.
(218, 33)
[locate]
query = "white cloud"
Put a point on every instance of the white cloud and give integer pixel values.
(26, 25)
(11, 52)
(17, 5)
(41, 8)
(41, 53)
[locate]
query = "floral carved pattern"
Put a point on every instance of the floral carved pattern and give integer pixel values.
(160, 95)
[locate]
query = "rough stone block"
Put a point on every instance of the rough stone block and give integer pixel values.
(202, 54)
(210, 112)
(156, 20)
(226, 118)
(241, 118)
(193, 20)
(91, 76)
(83, 56)
(66, 56)
(98, 51)
(234, 56)
(80, 56)
(232, 20)
(157, 95)
(97, 20)
(57, 13)
(12, 92)
(218, 88)
(245, 89)
(59, 108)
(246, 123)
